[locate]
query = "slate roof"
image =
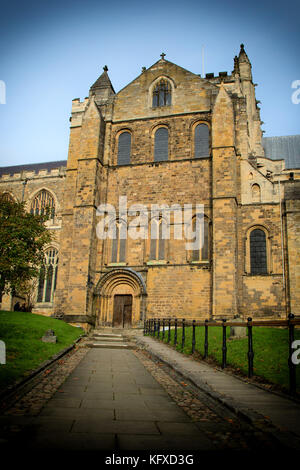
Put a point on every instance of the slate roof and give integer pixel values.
(36, 167)
(285, 147)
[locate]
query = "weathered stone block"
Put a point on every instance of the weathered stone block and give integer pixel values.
(49, 337)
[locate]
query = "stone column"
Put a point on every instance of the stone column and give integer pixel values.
(224, 202)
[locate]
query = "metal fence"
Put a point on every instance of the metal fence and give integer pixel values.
(155, 326)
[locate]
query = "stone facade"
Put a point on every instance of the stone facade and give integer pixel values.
(240, 188)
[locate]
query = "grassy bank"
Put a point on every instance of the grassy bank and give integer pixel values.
(270, 351)
(22, 333)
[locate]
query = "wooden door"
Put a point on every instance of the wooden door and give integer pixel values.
(122, 311)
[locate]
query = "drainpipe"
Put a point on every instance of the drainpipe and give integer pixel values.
(282, 245)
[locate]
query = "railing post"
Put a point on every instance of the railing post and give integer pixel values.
(250, 348)
(224, 348)
(175, 334)
(163, 332)
(194, 337)
(292, 366)
(183, 334)
(158, 327)
(154, 327)
(206, 339)
(144, 331)
(169, 332)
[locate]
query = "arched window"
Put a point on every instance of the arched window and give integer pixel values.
(48, 275)
(161, 144)
(201, 141)
(42, 204)
(157, 240)
(124, 148)
(7, 197)
(255, 193)
(258, 252)
(161, 94)
(118, 250)
(200, 250)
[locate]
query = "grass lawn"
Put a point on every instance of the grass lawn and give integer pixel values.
(270, 347)
(22, 332)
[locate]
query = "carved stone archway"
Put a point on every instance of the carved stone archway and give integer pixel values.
(120, 281)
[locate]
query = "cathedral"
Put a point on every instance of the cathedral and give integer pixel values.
(192, 148)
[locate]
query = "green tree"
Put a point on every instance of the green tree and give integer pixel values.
(22, 238)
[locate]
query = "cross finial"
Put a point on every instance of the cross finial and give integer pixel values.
(162, 55)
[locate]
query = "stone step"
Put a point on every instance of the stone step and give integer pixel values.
(108, 345)
(108, 331)
(107, 336)
(109, 340)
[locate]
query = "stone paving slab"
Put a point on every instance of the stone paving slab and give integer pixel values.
(114, 427)
(53, 424)
(165, 443)
(71, 441)
(78, 413)
(65, 402)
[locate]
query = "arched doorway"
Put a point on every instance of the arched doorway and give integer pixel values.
(120, 299)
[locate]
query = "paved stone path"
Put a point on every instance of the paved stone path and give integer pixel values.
(121, 400)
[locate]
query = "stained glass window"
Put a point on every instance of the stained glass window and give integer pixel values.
(48, 275)
(201, 141)
(118, 253)
(42, 204)
(201, 251)
(124, 148)
(157, 241)
(258, 252)
(161, 145)
(162, 94)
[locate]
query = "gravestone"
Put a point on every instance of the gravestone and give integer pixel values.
(237, 331)
(2, 352)
(49, 337)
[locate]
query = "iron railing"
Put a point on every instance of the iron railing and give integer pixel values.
(154, 326)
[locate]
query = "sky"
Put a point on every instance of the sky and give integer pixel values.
(52, 52)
